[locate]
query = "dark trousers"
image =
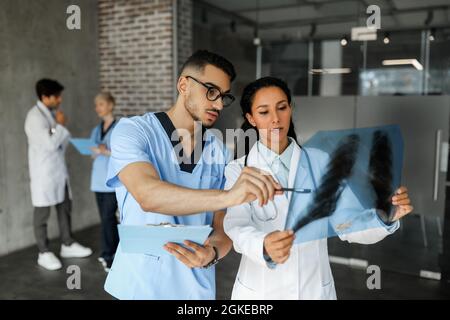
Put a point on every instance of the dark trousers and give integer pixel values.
(40, 219)
(107, 206)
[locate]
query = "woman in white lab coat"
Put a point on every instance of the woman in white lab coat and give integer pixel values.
(272, 266)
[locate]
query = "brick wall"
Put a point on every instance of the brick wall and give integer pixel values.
(185, 30)
(136, 45)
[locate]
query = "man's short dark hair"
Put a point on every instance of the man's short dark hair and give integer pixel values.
(48, 87)
(201, 58)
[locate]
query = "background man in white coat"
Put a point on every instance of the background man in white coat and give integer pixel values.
(49, 180)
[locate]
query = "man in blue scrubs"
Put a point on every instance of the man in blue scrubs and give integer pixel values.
(155, 184)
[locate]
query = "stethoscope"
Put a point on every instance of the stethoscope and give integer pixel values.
(304, 191)
(51, 129)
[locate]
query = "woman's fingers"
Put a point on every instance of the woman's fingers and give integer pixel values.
(402, 211)
(402, 202)
(282, 256)
(400, 196)
(284, 243)
(279, 235)
(283, 260)
(402, 189)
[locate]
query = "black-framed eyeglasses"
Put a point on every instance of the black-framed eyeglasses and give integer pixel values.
(214, 93)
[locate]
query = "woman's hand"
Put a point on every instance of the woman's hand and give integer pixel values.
(104, 150)
(95, 152)
(100, 149)
(402, 202)
(278, 245)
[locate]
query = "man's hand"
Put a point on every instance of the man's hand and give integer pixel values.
(254, 184)
(402, 202)
(278, 245)
(199, 256)
(60, 118)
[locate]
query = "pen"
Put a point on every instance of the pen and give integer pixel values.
(296, 190)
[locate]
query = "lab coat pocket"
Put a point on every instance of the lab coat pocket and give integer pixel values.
(328, 292)
(250, 275)
(241, 292)
(151, 258)
(325, 270)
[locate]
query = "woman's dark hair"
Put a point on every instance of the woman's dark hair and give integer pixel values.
(247, 100)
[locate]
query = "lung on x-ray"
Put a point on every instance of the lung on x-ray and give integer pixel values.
(356, 172)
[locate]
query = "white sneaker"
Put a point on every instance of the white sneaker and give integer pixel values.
(102, 261)
(75, 250)
(49, 261)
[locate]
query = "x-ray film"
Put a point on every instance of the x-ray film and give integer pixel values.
(356, 173)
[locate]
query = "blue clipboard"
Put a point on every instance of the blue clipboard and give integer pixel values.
(150, 239)
(83, 145)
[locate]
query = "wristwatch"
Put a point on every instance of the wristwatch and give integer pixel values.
(214, 260)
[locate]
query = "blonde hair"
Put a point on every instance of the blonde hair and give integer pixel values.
(107, 96)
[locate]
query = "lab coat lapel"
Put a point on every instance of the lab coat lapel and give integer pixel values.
(293, 168)
(301, 172)
(257, 160)
(46, 112)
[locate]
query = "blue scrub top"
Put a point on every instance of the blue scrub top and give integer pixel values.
(142, 276)
(101, 162)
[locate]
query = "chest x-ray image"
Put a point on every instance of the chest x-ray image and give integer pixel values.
(353, 175)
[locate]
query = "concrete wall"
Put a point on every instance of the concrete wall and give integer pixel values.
(36, 43)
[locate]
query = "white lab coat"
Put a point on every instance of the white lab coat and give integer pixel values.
(46, 162)
(307, 273)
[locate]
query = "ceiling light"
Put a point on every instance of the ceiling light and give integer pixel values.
(397, 62)
(330, 71)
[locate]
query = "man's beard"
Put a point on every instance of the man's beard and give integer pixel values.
(197, 118)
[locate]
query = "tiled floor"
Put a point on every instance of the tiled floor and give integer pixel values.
(21, 278)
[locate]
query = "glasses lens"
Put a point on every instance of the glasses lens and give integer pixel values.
(213, 94)
(227, 100)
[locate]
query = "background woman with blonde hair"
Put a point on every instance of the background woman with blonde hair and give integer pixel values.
(105, 196)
